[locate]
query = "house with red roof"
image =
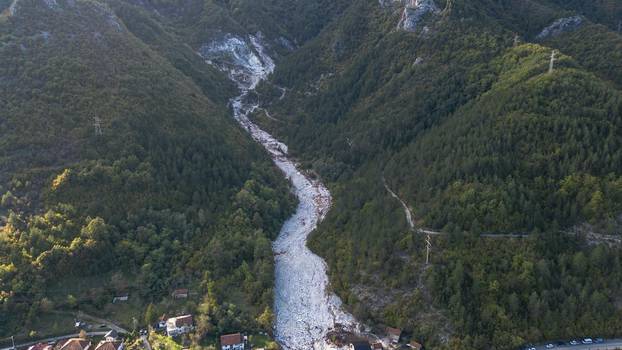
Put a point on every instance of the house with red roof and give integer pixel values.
(75, 344)
(232, 342)
(179, 325)
(110, 345)
(394, 334)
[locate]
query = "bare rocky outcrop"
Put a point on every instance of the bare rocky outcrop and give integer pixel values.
(560, 26)
(244, 59)
(414, 12)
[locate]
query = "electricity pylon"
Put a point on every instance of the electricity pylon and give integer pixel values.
(97, 123)
(428, 242)
(553, 59)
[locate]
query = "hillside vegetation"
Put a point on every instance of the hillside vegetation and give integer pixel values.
(121, 165)
(121, 170)
(466, 123)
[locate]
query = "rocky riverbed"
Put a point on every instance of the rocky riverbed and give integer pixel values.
(306, 311)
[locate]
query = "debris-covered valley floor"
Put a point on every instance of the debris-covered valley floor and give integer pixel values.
(307, 313)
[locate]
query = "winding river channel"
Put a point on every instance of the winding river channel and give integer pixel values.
(306, 311)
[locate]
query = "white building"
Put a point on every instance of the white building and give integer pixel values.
(179, 325)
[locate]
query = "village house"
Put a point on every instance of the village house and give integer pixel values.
(394, 334)
(110, 342)
(179, 325)
(75, 344)
(377, 346)
(180, 293)
(232, 342)
(110, 345)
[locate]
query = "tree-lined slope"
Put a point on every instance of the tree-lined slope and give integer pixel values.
(121, 165)
(465, 122)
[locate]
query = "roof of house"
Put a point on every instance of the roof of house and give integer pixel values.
(231, 339)
(363, 345)
(180, 291)
(394, 331)
(112, 334)
(185, 320)
(75, 344)
(108, 345)
(376, 346)
(40, 346)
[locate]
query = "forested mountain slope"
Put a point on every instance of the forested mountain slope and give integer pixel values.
(461, 116)
(122, 172)
(400, 84)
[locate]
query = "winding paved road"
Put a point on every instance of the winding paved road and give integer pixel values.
(609, 344)
(80, 315)
(55, 339)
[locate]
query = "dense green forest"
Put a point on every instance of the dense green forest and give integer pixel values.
(383, 102)
(466, 123)
(121, 171)
(545, 287)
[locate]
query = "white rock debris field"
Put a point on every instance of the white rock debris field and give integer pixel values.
(305, 310)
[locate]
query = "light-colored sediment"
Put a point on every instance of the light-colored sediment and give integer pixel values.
(306, 311)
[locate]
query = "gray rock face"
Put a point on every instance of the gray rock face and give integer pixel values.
(245, 59)
(414, 13)
(561, 26)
